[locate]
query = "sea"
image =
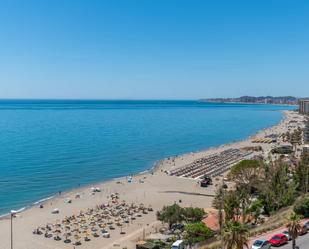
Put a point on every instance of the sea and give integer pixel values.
(47, 146)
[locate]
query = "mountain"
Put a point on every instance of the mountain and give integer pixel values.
(285, 100)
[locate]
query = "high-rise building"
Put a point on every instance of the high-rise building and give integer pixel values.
(304, 106)
(306, 133)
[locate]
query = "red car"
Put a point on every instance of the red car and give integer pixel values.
(278, 239)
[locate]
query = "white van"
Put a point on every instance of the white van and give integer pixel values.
(178, 245)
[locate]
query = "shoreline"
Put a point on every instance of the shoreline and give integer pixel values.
(155, 166)
(153, 187)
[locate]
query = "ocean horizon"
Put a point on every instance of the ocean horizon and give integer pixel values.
(49, 146)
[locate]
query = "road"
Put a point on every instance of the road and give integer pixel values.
(301, 241)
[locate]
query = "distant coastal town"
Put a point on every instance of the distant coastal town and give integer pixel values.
(283, 100)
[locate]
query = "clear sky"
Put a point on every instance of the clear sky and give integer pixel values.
(160, 49)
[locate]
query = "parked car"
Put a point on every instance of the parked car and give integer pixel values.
(307, 224)
(206, 181)
(178, 244)
(260, 244)
(303, 230)
(286, 233)
(278, 239)
(179, 226)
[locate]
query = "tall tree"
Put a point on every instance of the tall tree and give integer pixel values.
(243, 194)
(235, 235)
(231, 205)
(294, 227)
(218, 203)
(278, 190)
(247, 172)
(301, 175)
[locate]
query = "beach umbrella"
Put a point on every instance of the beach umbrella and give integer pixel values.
(102, 225)
(84, 227)
(77, 232)
(66, 235)
(77, 237)
(65, 222)
(87, 234)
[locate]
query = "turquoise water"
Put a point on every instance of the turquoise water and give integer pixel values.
(48, 146)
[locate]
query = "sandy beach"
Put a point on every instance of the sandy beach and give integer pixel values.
(155, 188)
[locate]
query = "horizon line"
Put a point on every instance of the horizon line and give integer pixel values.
(138, 99)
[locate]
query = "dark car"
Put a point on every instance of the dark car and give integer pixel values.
(179, 226)
(206, 181)
(303, 230)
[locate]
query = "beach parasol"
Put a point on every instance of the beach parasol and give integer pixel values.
(86, 233)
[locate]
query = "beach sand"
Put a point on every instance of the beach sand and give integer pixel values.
(158, 189)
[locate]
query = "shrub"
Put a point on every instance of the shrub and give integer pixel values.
(175, 214)
(301, 207)
(196, 232)
(171, 214)
(193, 214)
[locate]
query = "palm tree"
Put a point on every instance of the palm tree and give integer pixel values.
(235, 235)
(294, 227)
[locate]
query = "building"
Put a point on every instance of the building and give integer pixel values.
(306, 133)
(306, 149)
(304, 106)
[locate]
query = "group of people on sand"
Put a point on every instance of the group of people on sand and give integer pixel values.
(95, 222)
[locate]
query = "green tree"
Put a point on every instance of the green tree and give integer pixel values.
(196, 232)
(255, 209)
(247, 175)
(218, 203)
(294, 227)
(235, 235)
(247, 172)
(231, 205)
(171, 214)
(243, 193)
(278, 190)
(301, 207)
(288, 136)
(301, 175)
(193, 214)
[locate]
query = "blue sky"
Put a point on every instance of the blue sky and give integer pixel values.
(160, 49)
